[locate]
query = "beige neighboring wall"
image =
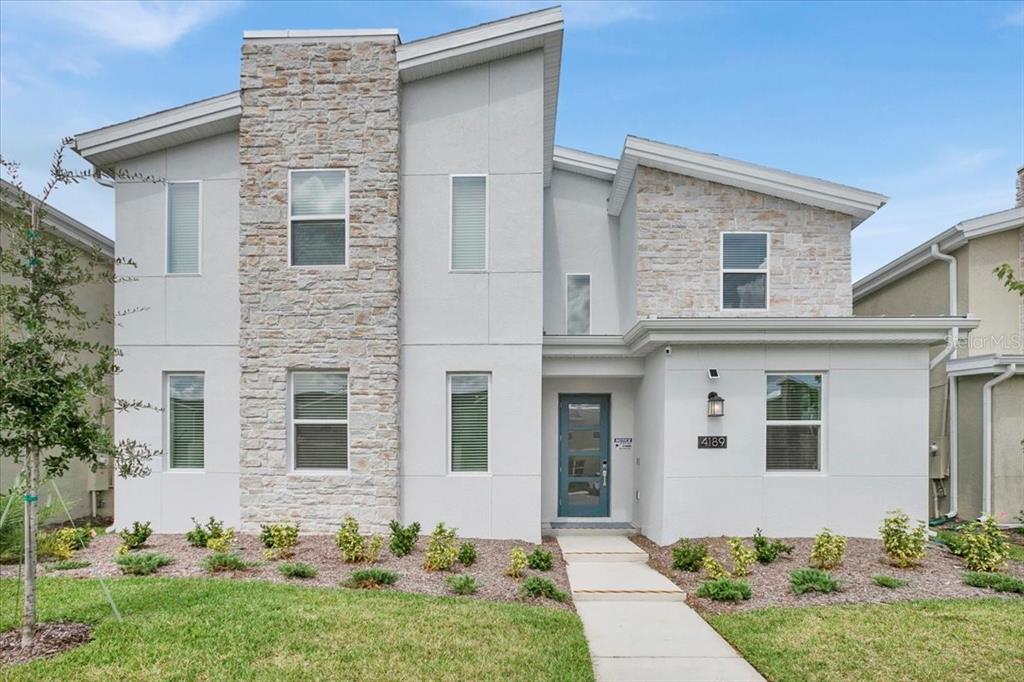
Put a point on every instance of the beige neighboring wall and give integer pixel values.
(998, 309)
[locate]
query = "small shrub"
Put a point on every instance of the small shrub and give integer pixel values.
(813, 580)
(77, 537)
(201, 534)
(226, 561)
(279, 539)
(517, 562)
(136, 536)
(467, 554)
(403, 539)
(536, 586)
(297, 570)
(462, 584)
(441, 551)
(1000, 582)
(69, 565)
(713, 569)
(355, 547)
(223, 542)
(904, 544)
(687, 555)
(828, 550)
(767, 549)
(540, 560)
(742, 557)
(143, 563)
(55, 545)
(724, 589)
(373, 547)
(368, 578)
(982, 545)
(889, 581)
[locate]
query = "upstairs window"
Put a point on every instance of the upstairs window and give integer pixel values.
(185, 420)
(468, 416)
(318, 217)
(794, 422)
(320, 420)
(469, 223)
(744, 271)
(183, 228)
(577, 304)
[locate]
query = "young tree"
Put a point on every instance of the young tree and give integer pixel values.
(1004, 273)
(56, 384)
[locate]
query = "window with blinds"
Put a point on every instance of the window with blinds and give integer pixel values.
(320, 420)
(183, 228)
(469, 222)
(468, 398)
(577, 304)
(318, 217)
(185, 420)
(744, 270)
(793, 405)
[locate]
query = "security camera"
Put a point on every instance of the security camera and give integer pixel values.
(668, 350)
(712, 373)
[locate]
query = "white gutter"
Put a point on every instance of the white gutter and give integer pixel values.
(954, 333)
(954, 449)
(986, 448)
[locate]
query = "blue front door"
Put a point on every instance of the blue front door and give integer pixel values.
(584, 472)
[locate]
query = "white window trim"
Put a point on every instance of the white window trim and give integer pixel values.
(590, 302)
(448, 422)
(820, 422)
(167, 230)
(167, 422)
(319, 216)
(451, 222)
(292, 468)
(765, 271)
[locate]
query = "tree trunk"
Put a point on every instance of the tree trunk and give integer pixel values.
(28, 624)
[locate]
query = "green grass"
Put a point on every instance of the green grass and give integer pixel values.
(926, 640)
(184, 629)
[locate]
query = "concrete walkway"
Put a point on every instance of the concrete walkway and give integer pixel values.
(636, 620)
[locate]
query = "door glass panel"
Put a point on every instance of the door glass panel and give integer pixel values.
(584, 466)
(584, 493)
(584, 414)
(584, 441)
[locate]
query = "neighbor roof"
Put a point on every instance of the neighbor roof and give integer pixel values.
(77, 233)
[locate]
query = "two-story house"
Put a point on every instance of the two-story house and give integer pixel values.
(379, 288)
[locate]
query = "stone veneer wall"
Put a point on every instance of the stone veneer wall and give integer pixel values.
(332, 104)
(679, 220)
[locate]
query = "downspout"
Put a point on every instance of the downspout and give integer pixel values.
(986, 447)
(951, 343)
(954, 333)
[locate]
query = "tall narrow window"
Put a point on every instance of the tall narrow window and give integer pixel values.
(468, 397)
(320, 420)
(183, 228)
(744, 270)
(577, 304)
(185, 403)
(318, 217)
(469, 222)
(794, 422)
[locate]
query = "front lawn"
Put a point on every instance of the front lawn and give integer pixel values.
(217, 629)
(966, 639)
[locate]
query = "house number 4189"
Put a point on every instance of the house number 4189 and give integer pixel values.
(714, 442)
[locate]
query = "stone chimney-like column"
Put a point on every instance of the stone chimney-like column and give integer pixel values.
(1020, 186)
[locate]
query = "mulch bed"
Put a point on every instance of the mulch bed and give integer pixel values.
(322, 552)
(51, 639)
(938, 577)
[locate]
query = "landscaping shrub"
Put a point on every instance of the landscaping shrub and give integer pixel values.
(724, 589)
(517, 562)
(888, 581)
(142, 564)
(540, 560)
(982, 545)
(742, 557)
(535, 586)
(136, 536)
(813, 580)
(373, 547)
(441, 551)
(223, 542)
(225, 561)
(687, 555)
(467, 554)
(355, 547)
(713, 569)
(462, 584)
(55, 544)
(297, 570)
(768, 549)
(201, 534)
(367, 578)
(279, 539)
(403, 539)
(904, 544)
(1000, 582)
(69, 565)
(828, 550)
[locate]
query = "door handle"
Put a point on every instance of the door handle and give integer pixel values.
(604, 473)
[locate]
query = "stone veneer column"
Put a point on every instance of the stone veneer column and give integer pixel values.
(330, 102)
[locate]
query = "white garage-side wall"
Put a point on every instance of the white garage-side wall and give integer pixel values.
(874, 442)
(186, 323)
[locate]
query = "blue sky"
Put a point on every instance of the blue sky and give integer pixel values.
(922, 102)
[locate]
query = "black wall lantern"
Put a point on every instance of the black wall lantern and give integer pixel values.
(716, 405)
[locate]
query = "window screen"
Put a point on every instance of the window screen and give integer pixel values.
(183, 228)
(320, 420)
(185, 420)
(744, 270)
(793, 405)
(318, 217)
(468, 397)
(577, 304)
(469, 223)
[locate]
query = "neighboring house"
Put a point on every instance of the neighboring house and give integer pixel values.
(977, 389)
(86, 493)
(379, 288)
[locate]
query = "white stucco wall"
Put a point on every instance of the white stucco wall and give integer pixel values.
(485, 119)
(189, 323)
(649, 445)
(627, 261)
